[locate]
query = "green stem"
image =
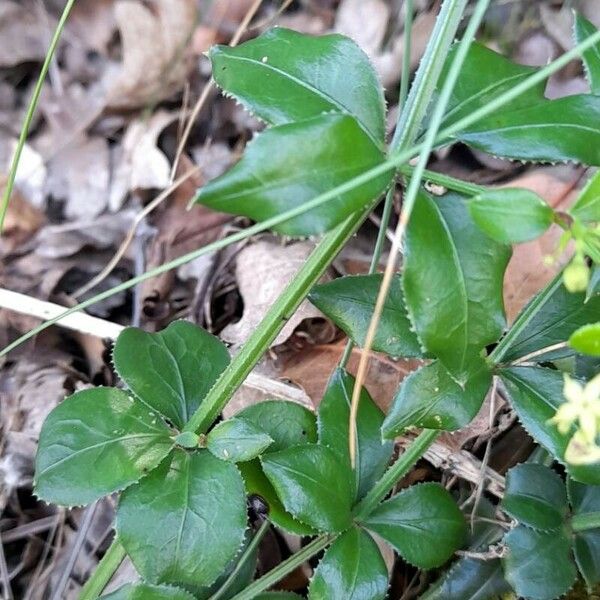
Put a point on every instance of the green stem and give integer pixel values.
(451, 183)
(104, 571)
(252, 546)
(408, 24)
(287, 566)
(10, 183)
(585, 521)
(400, 468)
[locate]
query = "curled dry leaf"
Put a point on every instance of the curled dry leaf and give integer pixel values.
(21, 222)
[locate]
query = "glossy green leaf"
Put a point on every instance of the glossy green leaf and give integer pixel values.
(277, 596)
(96, 442)
(535, 394)
(312, 485)
(172, 370)
(288, 165)
(586, 339)
(535, 496)
(591, 57)
(511, 215)
(422, 523)
(372, 455)
(352, 568)
(287, 423)
(146, 591)
(430, 398)
(185, 522)
(587, 205)
(237, 440)
(284, 76)
(550, 318)
(453, 275)
(349, 302)
(585, 499)
(538, 564)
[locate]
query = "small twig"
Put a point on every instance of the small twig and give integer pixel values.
(6, 589)
(496, 551)
(540, 352)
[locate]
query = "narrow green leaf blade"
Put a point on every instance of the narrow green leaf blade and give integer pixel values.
(237, 440)
(591, 57)
(422, 523)
(96, 442)
(352, 568)
(453, 276)
(536, 496)
(185, 522)
(288, 165)
(372, 455)
(539, 564)
(146, 591)
(171, 370)
(285, 76)
(312, 485)
(349, 302)
(511, 215)
(586, 339)
(430, 398)
(587, 205)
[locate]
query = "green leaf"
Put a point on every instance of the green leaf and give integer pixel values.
(591, 57)
(585, 499)
(594, 285)
(550, 318)
(372, 455)
(287, 423)
(349, 302)
(511, 215)
(535, 394)
(145, 591)
(430, 398)
(288, 165)
(352, 568)
(535, 496)
(538, 564)
(96, 442)
(237, 440)
(422, 523)
(172, 370)
(587, 205)
(453, 275)
(185, 522)
(284, 76)
(586, 339)
(312, 485)
(278, 596)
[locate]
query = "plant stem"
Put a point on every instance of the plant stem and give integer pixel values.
(12, 174)
(104, 571)
(287, 566)
(406, 461)
(406, 55)
(585, 521)
(451, 183)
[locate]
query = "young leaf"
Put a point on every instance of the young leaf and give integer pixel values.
(237, 440)
(172, 370)
(96, 442)
(586, 339)
(146, 591)
(185, 522)
(312, 485)
(539, 564)
(535, 496)
(287, 165)
(511, 215)
(372, 456)
(284, 76)
(422, 523)
(352, 568)
(287, 423)
(591, 57)
(551, 317)
(349, 302)
(585, 499)
(587, 205)
(535, 394)
(452, 279)
(430, 398)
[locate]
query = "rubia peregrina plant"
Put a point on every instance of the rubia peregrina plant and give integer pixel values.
(320, 166)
